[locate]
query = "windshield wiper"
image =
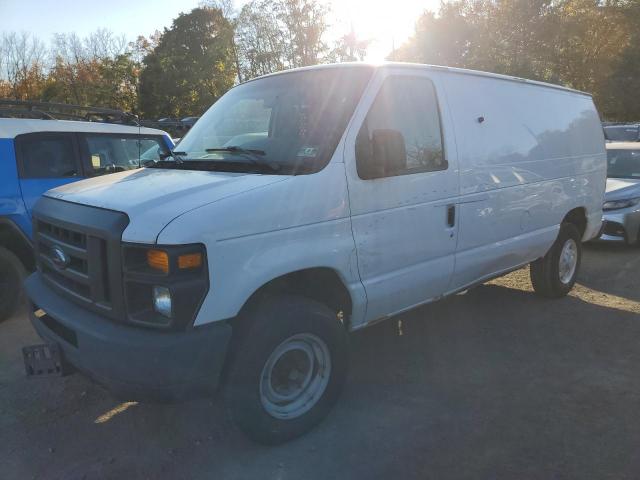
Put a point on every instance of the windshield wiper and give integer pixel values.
(177, 159)
(255, 156)
(235, 149)
(175, 155)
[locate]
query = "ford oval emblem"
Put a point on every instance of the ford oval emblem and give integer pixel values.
(59, 258)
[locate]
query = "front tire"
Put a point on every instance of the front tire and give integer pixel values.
(554, 275)
(287, 369)
(12, 274)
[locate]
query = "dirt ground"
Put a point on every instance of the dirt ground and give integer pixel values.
(492, 384)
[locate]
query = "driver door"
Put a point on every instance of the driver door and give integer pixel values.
(404, 220)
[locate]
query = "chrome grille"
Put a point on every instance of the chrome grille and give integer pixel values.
(85, 275)
(79, 253)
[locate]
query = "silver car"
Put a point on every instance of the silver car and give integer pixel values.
(622, 198)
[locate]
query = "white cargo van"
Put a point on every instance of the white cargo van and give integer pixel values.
(302, 206)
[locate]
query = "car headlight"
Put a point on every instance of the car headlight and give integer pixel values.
(164, 285)
(618, 204)
(162, 301)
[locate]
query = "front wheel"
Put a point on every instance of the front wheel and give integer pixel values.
(12, 274)
(554, 275)
(287, 369)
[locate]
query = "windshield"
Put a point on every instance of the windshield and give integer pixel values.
(290, 123)
(623, 163)
(115, 153)
(622, 133)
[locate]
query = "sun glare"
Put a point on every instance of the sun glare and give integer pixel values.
(385, 24)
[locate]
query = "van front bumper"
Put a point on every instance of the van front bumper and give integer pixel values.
(131, 362)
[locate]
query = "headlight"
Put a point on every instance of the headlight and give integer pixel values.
(164, 285)
(618, 204)
(162, 301)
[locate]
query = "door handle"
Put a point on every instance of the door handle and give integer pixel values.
(451, 215)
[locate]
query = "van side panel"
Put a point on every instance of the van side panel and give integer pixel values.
(250, 241)
(528, 155)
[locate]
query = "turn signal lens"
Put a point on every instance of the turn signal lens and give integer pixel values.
(190, 260)
(158, 259)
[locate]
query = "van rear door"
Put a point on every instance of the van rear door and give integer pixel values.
(403, 184)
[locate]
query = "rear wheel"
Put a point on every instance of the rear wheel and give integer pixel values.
(637, 243)
(554, 275)
(287, 369)
(12, 274)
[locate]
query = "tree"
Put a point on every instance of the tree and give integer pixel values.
(143, 46)
(577, 43)
(275, 35)
(191, 67)
(589, 43)
(349, 48)
(305, 23)
(623, 82)
(503, 36)
(261, 42)
(22, 65)
(231, 15)
(98, 70)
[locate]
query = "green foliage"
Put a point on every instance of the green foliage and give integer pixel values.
(22, 61)
(262, 43)
(191, 67)
(585, 44)
(180, 71)
(107, 82)
(349, 48)
(591, 45)
(273, 35)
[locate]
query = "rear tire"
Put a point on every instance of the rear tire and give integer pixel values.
(554, 275)
(12, 274)
(637, 243)
(287, 368)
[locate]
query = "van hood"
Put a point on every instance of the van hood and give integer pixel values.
(153, 197)
(621, 188)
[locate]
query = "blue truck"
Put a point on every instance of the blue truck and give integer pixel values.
(38, 154)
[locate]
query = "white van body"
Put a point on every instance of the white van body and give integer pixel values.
(517, 160)
(538, 154)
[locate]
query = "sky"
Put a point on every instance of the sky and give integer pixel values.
(382, 22)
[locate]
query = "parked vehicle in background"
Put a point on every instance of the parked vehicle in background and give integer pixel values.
(622, 133)
(622, 198)
(168, 120)
(189, 121)
(37, 155)
(304, 205)
(177, 128)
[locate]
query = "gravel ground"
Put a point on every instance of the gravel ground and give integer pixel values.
(492, 384)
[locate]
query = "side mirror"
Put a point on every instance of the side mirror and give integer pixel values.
(384, 155)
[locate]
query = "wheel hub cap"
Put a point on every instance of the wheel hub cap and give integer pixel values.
(295, 376)
(568, 261)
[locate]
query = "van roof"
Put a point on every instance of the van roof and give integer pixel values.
(12, 127)
(422, 66)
